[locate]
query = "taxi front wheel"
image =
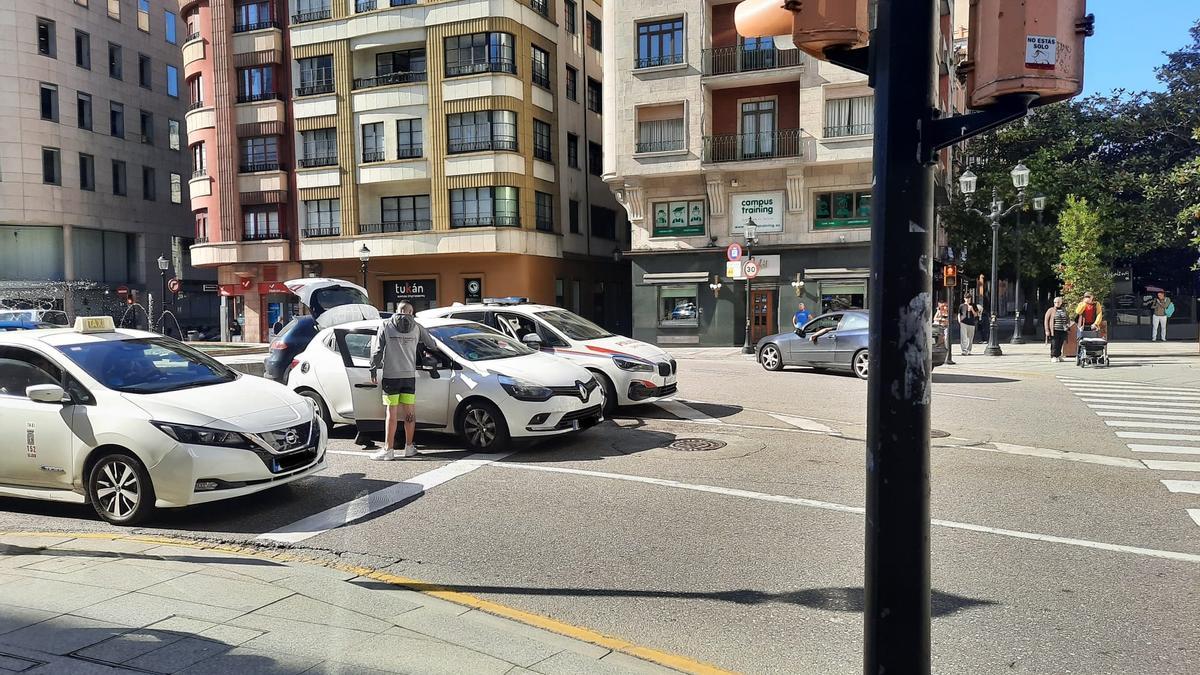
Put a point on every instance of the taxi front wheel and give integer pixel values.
(120, 489)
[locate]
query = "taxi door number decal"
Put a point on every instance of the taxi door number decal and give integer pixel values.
(30, 441)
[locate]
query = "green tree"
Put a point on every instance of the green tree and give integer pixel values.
(1082, 267)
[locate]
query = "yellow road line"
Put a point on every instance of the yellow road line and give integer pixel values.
(444, 592)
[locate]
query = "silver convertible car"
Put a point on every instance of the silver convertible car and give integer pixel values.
(833, 341)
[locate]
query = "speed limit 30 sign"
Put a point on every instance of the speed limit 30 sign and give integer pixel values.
(750, 269)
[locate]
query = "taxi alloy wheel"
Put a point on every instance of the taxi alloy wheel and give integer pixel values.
(770, 358)
(120, 490)
(483, 427)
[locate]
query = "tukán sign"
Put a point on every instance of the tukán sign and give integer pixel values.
(1041, 51)
(766, 208)
(679, 219)
(424, 290)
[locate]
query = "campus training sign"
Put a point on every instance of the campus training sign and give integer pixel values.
(766, 208)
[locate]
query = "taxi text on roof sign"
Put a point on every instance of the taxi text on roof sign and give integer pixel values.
(94, 324)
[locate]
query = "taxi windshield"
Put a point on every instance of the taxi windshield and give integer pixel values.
(147, 365)
(472, 344)
(573, 326)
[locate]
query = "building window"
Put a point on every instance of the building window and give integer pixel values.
(683, 218)
(484, 207)
(572, 84)
(252, 16)
(83, 110)
(544, 205)
(570, 16)
(316, 75)
(169, 23)
(842, 209)
(593, 32)
(193, 24)
(405, 61)
(595, 96)
(595, 159)
(45, 38)
(483, 130)
(259, 154)
(143, 16)
(116, 120)
(540, 6)
(311, 10)
(541, 67)
(541, 141)
(322, 217)
(144, 70)
(660, 43)
(573, 151)
(202, 226)
(87, 172)
(176, 188)
(49, 101)
(573, 215)
(114, 9)
(149, 187)
(120, 187)
(51, 167)
(660, 128)
(83, 50)
(372, 142)
(406, 214)
(172, 82)
(677, 306)
(147, 125)
(196, 92)
(199, 160)
(260, 223)
(480, 53)
(256, 84)
(114, 61)
(604, 223)
(173, 134)
(408, 138)
(320, 148)
(849, 116)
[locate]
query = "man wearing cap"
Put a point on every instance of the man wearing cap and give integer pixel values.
(394, 349)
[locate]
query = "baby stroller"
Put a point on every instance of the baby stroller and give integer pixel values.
(1093, 350)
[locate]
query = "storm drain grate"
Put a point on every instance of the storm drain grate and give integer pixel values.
(695, 445)
(938, 433)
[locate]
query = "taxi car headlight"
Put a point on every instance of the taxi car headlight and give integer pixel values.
(635, 366)
(203, 436)
(523, 390)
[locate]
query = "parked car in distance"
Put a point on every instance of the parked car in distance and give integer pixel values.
(25, 325)
(329, 302)
(487, 387)
(56, 317)
(832, 341)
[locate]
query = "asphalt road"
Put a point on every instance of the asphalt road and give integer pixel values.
(1057, 548)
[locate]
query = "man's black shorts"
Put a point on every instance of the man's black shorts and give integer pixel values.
(398, 390)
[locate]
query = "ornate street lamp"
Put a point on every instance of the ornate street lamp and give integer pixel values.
(163, 264)
(364, 257)
(751, 234)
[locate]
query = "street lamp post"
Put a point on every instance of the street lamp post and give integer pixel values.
(364, 257)
(163, 263)
(1039, 205)
(751, 234)
(967, 183)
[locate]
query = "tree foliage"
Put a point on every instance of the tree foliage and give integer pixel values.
(1081, 267)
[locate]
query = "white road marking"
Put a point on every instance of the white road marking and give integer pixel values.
(1157, 404)
(1134, 396)
(356, 453)
(1138, 408)
(350, 511)
(1191, 487)
(1153, 425)
(858, 510)
(802, 423)
(1147, 416)
(1165, 449)
(686, 412)
(977, 398)
(1049, 453)
(1067, 379)
(1195, 514)
(1134, 388)
(1167, 465)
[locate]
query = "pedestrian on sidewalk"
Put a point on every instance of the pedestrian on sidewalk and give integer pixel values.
(394, 350)
(968, 317)
(1163, 309)
(1088, 313)
(800, 317)
(1056, 323)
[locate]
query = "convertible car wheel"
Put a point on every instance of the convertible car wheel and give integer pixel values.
(770, 358)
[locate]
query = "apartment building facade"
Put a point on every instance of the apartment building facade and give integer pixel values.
(717, 132)
(92, 157)
(454, 145)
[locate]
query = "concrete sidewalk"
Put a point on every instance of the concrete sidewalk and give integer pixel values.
(111, 604)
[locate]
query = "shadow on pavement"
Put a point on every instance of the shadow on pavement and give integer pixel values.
(599, 442)
(12, 549)
(837, 599)
(948, 378)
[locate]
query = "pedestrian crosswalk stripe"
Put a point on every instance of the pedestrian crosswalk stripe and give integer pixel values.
(802, 423)
(1100, 407)
(1165, 449)
(1150, 436)
(1147, 416)
(1195, 514)
(1080, 380)
(1170, 465)
(1117, 403)
(1161, 397)
(1153, 425)
(686, 412)
(1191, 487)
(1136, 390)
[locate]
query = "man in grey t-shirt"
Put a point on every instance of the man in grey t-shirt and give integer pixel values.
(394, 350)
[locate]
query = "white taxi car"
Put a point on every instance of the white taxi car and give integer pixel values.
(487, 387)
(131, 421)
(631, 371)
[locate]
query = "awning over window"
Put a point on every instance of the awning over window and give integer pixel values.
(674, 277)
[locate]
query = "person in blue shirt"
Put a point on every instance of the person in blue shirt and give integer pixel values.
(800, 317)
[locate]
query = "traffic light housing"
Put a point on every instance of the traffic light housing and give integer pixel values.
(949, 276)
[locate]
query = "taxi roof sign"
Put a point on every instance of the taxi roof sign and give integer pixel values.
(94, 324)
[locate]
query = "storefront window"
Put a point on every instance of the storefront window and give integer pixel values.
(677, 306)
(839, 295)
(842, 209)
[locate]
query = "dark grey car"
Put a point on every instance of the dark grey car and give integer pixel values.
(834, 341)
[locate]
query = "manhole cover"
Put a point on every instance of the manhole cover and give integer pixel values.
(938, 433)
(695, 445)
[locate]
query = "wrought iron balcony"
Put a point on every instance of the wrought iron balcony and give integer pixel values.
(541, 79)
(505, 144)
(485, 221)
(318, 15)
(396, 226)
(738, 59)
(757, 146)
(659, 146)
(195, 105)
(263, 235)
(311, 162)
(199, 173)
(260, 25)
(255, 167)
(364, 6)
(843, 130)
(543, 154)
(192, 36)
(372, 156)
(261, 96)
(399, 77)
(488, 66)
(326, 231)
(540, 6)
(656, 61)
(325, 87)
(408, 151)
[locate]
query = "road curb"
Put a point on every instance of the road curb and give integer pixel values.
(440, 591)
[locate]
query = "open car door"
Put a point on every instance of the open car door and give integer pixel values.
(355, 349)
(435, 372)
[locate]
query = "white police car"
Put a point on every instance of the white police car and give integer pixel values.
(130, 421)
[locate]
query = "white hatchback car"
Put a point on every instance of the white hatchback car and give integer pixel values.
(130, 421)
(631, 371)
(487, 387)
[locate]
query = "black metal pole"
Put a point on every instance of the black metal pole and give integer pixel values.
(993, 346)
(748, 348)
(1018, 338)
(162, 294)
(951, 312)
(896, 580)
(364, 275)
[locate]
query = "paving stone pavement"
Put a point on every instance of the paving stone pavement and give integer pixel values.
(99, 605)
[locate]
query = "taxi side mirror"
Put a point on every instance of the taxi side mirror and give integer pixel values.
(46, 393)
(532, 340)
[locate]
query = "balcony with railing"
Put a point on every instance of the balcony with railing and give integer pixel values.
(540, 6)
(671, 145)
(408, 152)
(306, 17)
(848, 130)
(260, 96)
(322, 231)
(191, 37)
(738, 59)
(493, 65)
(195, 105)
(369, 156)
(259, 25)
(257, 166)
(315, 162)
(766, 145)
(266, 234)
(485, 221)
(361, 6)
(658, 61)
(398, 77)
(494, 144)
(541, 79)
(543, 153)
(396, 226)
(314, 88)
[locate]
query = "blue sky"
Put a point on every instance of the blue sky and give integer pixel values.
(1131, 36)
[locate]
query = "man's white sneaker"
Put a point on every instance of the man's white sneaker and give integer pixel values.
(385, 455)
(409, 451)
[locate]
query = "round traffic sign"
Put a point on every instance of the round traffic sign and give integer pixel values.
(122, 291)
(173, 285)
(734, 252)
(750, 269)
